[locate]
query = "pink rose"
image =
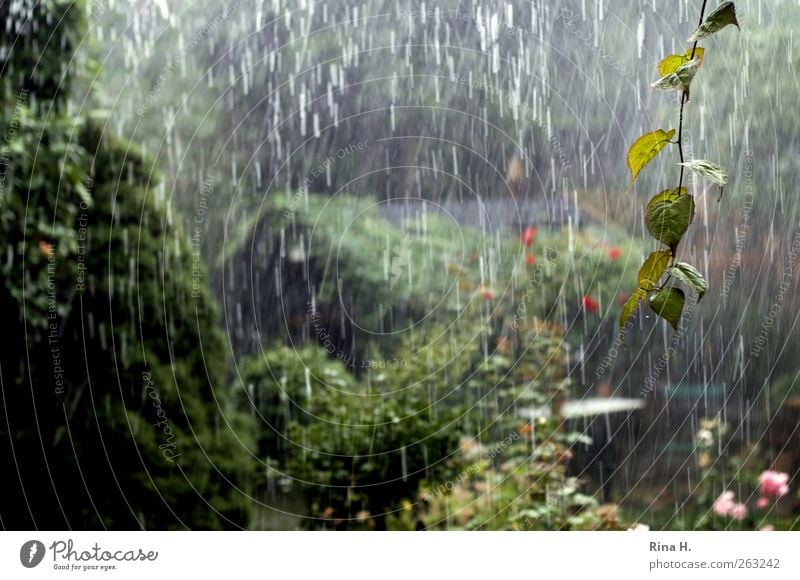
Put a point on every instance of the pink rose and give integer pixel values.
(773, 483)
(722, 506)
(738, 511)
(762, 502)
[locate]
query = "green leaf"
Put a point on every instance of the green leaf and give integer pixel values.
(720, 18)
(668, 215)
(630, 307)
(680, 79)
(652, 269)
(668, 304)
(671, 63)
(645, 149)
(689, 275)
(83, 193)
(711, 171)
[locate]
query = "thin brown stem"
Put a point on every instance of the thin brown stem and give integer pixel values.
(680, 140)
(680, 115)
(699, 23)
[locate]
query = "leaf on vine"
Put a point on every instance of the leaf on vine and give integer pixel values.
(668, 215)
(630, 307)
(668, 304)
(652, 269)
(689, 275)
(720, 18)
(644, 150)
(711, 171)
(680, 79)
(671, 63)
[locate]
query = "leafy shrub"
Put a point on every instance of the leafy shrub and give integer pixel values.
(518, 478)
(114, 416)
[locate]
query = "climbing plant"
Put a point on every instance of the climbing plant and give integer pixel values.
(669, 214)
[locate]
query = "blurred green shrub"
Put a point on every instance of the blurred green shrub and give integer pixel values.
(111, 357)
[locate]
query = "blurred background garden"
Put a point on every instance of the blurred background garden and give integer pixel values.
(359, 265)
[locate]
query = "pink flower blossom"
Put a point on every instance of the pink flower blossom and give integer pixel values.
(773, 483)
(722, 506)
(738, 511)
(762, 502)
(768, 528)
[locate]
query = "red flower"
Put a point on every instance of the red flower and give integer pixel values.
(528, 236)
(614, 253)
(486, 292)
(530, 259)
(590, 304)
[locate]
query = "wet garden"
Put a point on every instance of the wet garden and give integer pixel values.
(393, 265)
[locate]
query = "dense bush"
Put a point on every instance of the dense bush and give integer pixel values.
(277, 385)
(111, 358)
(517, 477)
(357, 448)
(364, 444)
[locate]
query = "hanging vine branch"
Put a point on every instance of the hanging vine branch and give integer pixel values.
(669, 213)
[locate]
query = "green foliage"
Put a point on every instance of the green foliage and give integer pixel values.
(38, 157)
(668, 304)
(669, 213)
(361, 450)
(279, 383)
(115, 416)
(369, 446)
(346, 433)
(518, 479)
(37, 49)
(111, 283)
(681, 79)
(711, 171)
(645, 149)
(722, 16)
(522, 493)
(353, 250)
(630, 306)
(652, 269)
(673, 62)
(355, 246)
(689, 275)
